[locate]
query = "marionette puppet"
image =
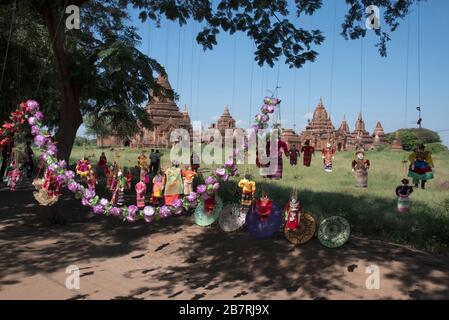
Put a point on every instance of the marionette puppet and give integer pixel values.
(248, 190)
(48, 188)
(299, 227)
(102, 163)
(188, 175)
(421, 164)
(129, 179)
(360, 167)
(118, 188)
(109, 173)
(92, 180)
(173, 184)
(157, 188)
(28, 160)
(83, 168)
(403, 193)
(141, 189)
(294, 154)
(146, 175)
(292, 212)
(142, 164)
(264, 207)
(264, 219)
(328, 157)
(14, 176)
(142, 161)
(265, 169)
(307, 151)
(51, 184)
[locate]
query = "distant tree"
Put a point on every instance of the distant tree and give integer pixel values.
(82, 141)
(411, 137)
(437, 147)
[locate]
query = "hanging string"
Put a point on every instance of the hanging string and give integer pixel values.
(233, 71)
(294, 100)
(13, 18)
(333, 59)
(150, 31)
(182, 58)
(198, 82)
(310, 74)
(167, 27)
(361, 75)
(251, 88)
(49, 49)
(419, 65)
(19, 54)
(179, 61)
(406, 74)
(277, 76)
(262, 89)
(278, 120)
(191, 65)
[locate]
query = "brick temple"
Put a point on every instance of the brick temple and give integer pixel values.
(320, 131)
(165, 116)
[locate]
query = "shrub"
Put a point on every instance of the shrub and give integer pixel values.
(411, 137)
(436, 147)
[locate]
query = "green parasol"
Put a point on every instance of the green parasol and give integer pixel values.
(205, 219)
(334, 232)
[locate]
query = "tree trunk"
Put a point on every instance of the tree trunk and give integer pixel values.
(70, 118)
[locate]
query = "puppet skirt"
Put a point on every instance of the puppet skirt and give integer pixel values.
(404, 204)
(361, 178)
(421, 171)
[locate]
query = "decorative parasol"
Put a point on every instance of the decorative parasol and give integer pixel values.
(232, 217)
(261, 229)
(304, 232)
(205, 219)
(334, 232)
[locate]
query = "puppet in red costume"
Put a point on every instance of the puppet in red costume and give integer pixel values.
(328, 157)
(266, 169)
(293, 211)
(307, 151)
(92, 180)
(264, 206)
(102, 163)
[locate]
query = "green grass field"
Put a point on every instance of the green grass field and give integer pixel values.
(371, 211)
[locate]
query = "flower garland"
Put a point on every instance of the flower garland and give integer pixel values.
(267, 108)
(263, 118)
(29, 112)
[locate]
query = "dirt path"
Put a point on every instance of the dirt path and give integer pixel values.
(175, 259)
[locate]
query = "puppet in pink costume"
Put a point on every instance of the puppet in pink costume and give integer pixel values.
(141, 188)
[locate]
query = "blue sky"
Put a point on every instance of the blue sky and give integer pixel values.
(207, 81)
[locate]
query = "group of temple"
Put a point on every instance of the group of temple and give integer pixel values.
(166, 117)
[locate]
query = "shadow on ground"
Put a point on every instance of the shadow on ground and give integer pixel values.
(212, 259)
